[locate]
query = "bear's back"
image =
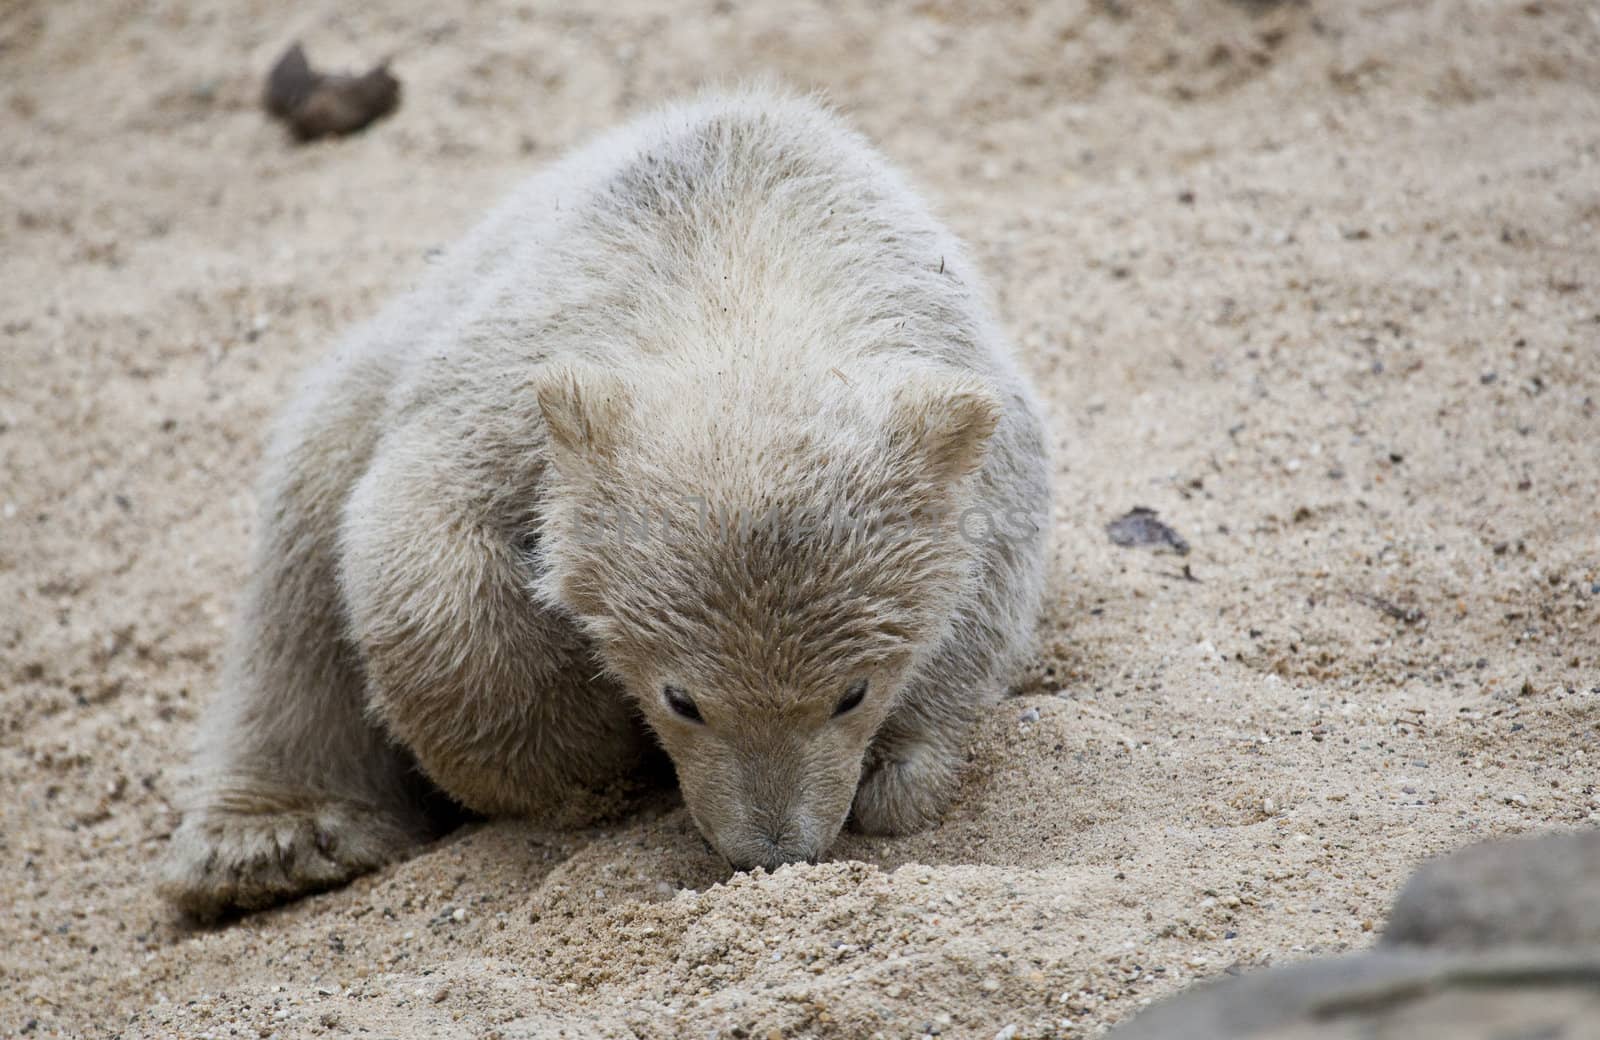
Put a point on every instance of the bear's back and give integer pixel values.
(727, 227)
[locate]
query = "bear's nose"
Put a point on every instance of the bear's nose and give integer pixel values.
(771, 857)
(771, 848)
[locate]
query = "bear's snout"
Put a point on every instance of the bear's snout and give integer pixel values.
(771, 839)
(771, 852)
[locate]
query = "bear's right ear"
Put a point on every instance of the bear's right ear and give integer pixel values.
(946, 423)
(584, 409)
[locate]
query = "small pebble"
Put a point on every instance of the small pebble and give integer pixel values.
(1141, 526)
(1031, 715)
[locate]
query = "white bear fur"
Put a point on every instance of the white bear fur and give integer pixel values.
(731, 307)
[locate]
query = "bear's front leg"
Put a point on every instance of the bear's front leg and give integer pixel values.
(295, 788)
(913, 767)
(906, 789)
(498, 697)
(255, 848)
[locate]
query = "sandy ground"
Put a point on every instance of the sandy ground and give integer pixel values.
(1319, 282)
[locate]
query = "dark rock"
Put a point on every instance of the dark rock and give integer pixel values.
(317, 104)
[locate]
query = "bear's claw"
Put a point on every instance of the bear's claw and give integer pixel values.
(226, 859)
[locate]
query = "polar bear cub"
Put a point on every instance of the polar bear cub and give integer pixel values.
(705, 436)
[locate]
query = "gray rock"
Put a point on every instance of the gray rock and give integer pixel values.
(1541, 891)
(1406, 993)
(1499, 941)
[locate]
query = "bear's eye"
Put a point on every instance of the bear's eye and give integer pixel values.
(852, 698)
(681, 703)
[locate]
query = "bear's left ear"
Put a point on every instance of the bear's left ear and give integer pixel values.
(584, 409)
(946, 422)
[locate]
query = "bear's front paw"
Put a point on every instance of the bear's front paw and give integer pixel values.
(245, 858)
(905, 791)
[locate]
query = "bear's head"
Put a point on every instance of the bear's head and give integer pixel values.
(761, 560)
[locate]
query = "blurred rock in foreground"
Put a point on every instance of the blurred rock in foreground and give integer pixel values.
(1500, 941)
